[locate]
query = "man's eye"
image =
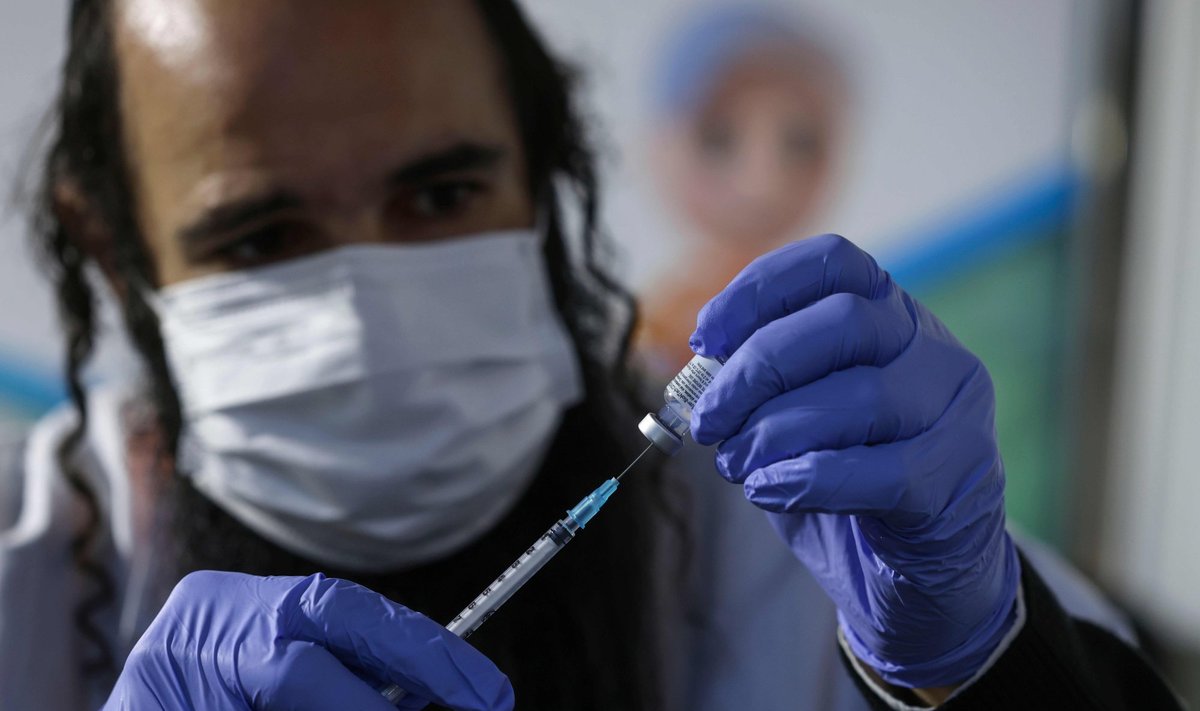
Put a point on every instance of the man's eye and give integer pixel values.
(271, 243)
(440, 200)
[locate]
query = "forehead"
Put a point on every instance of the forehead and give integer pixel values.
(302, 85)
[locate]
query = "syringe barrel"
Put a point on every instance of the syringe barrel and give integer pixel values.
(511, 580)
(503, 587)
(667, 429)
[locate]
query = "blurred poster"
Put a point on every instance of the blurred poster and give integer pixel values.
(935, 135)
(747, 111)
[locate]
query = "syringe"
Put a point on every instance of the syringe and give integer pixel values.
(526, 566)
(665, 431)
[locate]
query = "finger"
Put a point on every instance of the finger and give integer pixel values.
(859, 406)
(306, 677)
(836, 333)
(906, 482)
(366, 630)
(783, 282)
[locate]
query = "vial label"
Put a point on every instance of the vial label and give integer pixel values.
(692, 380)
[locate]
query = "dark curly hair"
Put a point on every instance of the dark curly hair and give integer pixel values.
(613, 664)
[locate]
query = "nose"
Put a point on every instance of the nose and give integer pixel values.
(352, 228)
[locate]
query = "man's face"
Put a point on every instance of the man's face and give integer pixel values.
(266, 130)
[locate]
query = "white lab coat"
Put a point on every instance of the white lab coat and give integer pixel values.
(766, 638)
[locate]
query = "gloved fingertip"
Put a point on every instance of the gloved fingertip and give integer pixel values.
(506, 699)
(765, 492)
(709, 339)
(701, 430)
(710, 346)
(722, 463)
(709, 425)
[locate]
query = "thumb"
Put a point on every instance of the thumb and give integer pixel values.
(367, 631)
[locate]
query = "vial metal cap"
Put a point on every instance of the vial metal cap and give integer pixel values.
(660, 435)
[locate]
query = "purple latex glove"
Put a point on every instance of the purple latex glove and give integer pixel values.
(854, 417)
(233, 641)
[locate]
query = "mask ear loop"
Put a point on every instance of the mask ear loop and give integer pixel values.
(189, 453)
(114, 358)
(148, 294)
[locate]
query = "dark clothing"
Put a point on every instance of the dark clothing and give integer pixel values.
(1057, 662)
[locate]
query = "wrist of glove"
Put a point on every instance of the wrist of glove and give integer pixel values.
(232, 641)
(850, 414)
(945, 637)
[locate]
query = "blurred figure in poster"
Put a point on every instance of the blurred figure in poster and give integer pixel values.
(749, 104)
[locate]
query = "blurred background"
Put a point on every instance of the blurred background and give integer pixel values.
(1029, 169)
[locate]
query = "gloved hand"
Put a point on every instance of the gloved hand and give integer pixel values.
(232, 641)
(854, 417)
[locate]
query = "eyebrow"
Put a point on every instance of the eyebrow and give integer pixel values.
(229, 217)
(458, 157)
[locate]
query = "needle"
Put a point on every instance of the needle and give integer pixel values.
(634, 462)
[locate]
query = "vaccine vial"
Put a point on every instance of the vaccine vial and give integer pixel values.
(667, 429)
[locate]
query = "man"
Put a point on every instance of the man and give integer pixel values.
(373, 349)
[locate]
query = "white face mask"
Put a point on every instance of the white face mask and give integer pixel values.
(373, 407)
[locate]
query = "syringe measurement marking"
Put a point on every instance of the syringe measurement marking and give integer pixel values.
(520, 571)
(474, 624)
